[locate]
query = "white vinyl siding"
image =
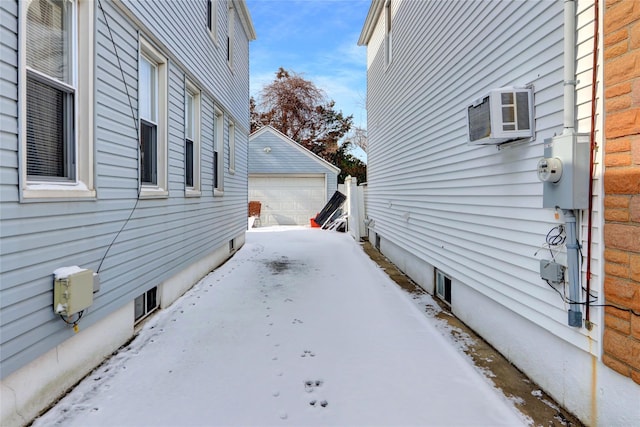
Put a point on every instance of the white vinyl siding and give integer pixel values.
(474, 212)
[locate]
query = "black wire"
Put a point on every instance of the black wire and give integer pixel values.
(590, 303)
(555, 239)
(80, 314)
(135, 123)
(558, 238)
(555, 289)
(630, 310)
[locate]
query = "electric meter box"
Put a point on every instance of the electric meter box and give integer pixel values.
(73, 293)
(571, 191)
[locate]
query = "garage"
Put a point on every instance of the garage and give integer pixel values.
(291, 183)
(288, 200)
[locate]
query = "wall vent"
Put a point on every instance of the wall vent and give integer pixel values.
(504, 114)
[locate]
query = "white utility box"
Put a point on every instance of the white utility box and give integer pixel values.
(72, 290)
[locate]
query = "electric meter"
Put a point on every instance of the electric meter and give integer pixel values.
(550, 169)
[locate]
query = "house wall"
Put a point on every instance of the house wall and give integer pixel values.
(286, 159)
(166, 242)
(475, 213)
(622, 187)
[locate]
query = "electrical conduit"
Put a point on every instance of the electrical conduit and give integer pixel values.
(573, 246)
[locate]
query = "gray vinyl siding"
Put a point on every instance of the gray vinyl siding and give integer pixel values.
(286, 159)
(163, 236)
(8, 101)
(474, 212)
(187, 36)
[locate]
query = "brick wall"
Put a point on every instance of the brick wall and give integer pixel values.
(622, 185)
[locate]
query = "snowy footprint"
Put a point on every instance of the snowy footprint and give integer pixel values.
(323, 403)
(311, 385)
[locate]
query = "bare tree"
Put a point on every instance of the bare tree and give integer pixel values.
(300, 110)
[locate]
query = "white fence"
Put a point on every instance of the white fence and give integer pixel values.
(354, 207)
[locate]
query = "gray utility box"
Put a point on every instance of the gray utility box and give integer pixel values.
(551, 271)
(572, 190)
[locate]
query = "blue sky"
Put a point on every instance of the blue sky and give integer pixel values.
(315, 38)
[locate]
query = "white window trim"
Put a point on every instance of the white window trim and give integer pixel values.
(388, 34)
(195, 191)
(83, 64)
(231, 19)
(441, 280)
(218, 145)
(232, 148)
(160, 190)
(213, 32)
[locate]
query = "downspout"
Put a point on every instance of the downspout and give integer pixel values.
(569, 67)
(573, 246)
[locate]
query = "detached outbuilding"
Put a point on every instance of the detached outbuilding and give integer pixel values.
(291, 183)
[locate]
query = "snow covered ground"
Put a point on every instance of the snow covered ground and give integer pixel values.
(299, 328)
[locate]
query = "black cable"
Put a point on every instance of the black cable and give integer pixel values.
(558, 238)
(630, 310)
(590, 303)
(555, 289)
(80, 314)
(135, 123)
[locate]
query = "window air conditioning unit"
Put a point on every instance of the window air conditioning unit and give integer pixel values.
(505, 114)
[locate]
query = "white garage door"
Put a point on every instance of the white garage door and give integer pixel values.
(288, 200)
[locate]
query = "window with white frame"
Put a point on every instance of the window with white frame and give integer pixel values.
(232, 147)
(152, 109)
(218, 153)
(212, 19)
(57, 98)
(443, 286)
(145, 304)
(231, 18)
(387, 32)
(192, 140)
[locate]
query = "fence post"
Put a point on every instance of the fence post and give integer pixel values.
(354, 208)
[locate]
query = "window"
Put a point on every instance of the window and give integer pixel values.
(387, 32)
(218, 153)
(232, 148)
(212, 19)
(230, 31)
(192, 140)
(145, 304)
(443, 286)
(148, 121)
(57, 98)
(152, 109)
